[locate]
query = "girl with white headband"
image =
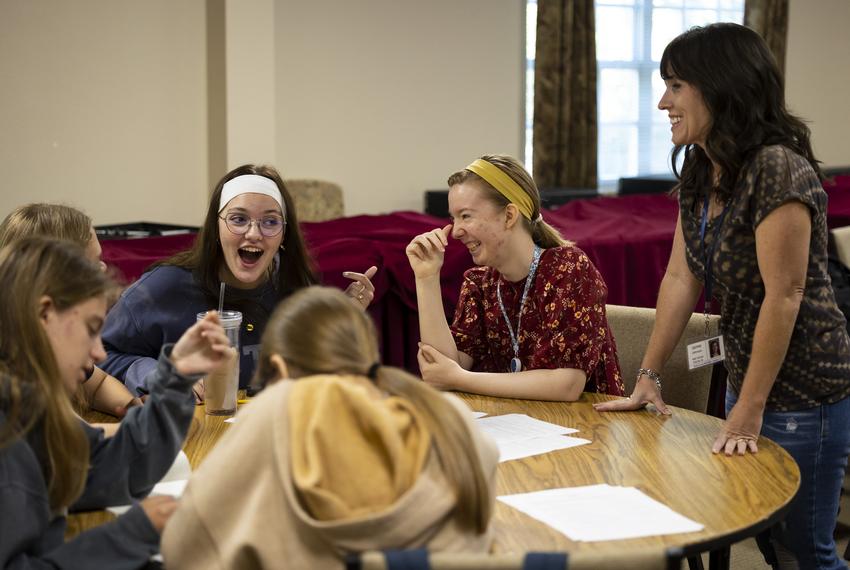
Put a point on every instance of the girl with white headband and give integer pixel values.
(530, 321)
(251, 241)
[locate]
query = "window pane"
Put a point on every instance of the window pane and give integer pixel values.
(657, 115)
(634, 136)
(530, 55)
(529, 97)
(661, 146)
(617, 151)
(616, 2)
(530, 30)
(699, 18)
(615, 104)
(736, 16)
(702, 4)
(615, 38)
(666, 25)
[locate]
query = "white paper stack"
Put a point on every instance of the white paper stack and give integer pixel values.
(601, 512)
(519, 435)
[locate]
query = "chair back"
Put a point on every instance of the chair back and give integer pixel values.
(423, 560)
(634, 559)
(316, 200)
(839, 239)
(632, 326)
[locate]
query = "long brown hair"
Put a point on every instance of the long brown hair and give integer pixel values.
(48, 220)
(205, 258)
(744, 90)
(32, 388)
(542, 233)
(318, 330)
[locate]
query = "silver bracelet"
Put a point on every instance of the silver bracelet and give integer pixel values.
(652, 375)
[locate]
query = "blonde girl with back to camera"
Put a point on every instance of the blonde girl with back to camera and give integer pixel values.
(348, 455)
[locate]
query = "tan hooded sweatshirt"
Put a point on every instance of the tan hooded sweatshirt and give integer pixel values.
(313, 470)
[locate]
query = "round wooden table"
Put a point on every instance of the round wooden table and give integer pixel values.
(667, 457)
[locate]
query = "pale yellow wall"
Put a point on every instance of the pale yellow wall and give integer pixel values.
(103, 103)
(389, 97)
(103, 106)
(817, 72)
(249, 68)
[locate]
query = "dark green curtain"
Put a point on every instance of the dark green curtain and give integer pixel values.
(565, 130)
(770, 19)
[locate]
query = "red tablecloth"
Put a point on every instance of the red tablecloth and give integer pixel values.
(838, 190)
(628, 238)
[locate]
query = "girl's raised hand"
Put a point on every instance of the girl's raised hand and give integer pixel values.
(426, 252)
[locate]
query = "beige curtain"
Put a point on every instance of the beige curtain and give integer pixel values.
(770, 19)
(565, 129)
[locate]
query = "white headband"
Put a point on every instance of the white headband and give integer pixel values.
(250, 184)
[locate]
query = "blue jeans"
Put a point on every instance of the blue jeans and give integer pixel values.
(819, 440)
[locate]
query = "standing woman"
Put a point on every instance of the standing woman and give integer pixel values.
(530, 321)
(752, 232)
(51, 313)
(346, 455)
(251, 241)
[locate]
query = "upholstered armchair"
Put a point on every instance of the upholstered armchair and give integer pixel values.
(631, 327)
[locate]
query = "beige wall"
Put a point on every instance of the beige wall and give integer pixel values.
(389, 97)
(817, 72)
(102, 105)
(249, 67)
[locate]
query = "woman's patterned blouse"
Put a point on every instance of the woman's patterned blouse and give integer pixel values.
(563, 321)
(816, 369)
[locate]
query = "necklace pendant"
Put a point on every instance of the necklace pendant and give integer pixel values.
(516, 365)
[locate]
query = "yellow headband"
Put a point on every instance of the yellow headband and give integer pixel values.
(505, 185)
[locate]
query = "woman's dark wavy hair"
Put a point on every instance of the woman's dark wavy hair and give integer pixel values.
(744, 91)
(206, 257)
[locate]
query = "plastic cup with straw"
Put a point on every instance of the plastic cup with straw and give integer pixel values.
(221, 386)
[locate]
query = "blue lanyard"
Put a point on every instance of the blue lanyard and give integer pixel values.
(516, 365)
(708, 258)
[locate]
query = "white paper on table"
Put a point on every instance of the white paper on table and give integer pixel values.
(172, 488)
(230, 420)
(601, 512)
(179, 470)
(477, 415)
(536, 446)
(172, 483)
(516, 427)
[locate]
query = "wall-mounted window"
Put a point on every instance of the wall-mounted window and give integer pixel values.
(634, 136)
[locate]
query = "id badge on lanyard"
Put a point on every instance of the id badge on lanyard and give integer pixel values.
(707, 349)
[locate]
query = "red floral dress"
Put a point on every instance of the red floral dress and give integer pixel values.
(563, 321)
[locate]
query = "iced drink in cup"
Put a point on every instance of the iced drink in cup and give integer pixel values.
(221, 386)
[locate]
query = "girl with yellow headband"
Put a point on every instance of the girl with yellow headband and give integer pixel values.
(530, 321)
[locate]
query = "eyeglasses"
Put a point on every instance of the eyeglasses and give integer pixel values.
(240, 224)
